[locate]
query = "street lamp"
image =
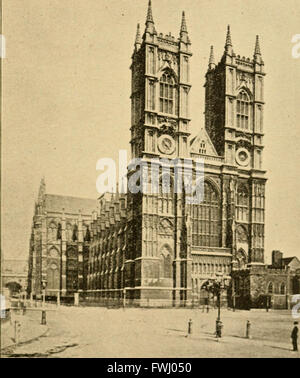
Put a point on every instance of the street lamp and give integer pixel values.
(216, 286)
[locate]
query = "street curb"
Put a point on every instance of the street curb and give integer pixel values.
(11, 347)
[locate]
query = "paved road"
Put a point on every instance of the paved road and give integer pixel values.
(101, 332)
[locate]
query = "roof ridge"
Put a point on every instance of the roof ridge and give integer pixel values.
(67, 196)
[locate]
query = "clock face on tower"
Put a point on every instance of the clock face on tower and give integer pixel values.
(242, 157)
(166, 144)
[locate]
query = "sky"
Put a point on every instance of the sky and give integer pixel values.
(66, 87)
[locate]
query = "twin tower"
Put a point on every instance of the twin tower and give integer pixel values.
(173, 246)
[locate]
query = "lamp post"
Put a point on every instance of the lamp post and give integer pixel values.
(124, 298)
(216, 286)
(44, 284)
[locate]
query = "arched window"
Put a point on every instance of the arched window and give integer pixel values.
(166, 263)
(75, 233)
(69, 232)
(206, 230)
(242, 204)
(167, 267)
(282, 288)
(166, 94)
(87, 234)
(243, 110)
(270, 288)
(52, 276)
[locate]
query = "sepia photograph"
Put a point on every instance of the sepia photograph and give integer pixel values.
(149, 186)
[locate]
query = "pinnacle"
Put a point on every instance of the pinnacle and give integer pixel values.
(150, 28)
(228, 37)
(257, 47)
(138, 39)
(211, 58)
(183, 28)
(149, 13)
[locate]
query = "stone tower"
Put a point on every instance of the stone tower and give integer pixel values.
(234, 107)
(160, 92)
(157, 265)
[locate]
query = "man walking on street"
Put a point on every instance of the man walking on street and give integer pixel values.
(294, 337)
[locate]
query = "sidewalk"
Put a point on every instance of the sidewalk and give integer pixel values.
(30, 329)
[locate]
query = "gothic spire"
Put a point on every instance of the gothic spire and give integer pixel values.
(183, 28)
(228, 37)
(150, 28)
(257, 47)
(149, 13)
(138, 39)
(42, 189)
(228, 43)
(117, 192)
(211, 62)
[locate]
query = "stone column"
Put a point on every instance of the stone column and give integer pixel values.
(34, 271)
(288, 288)
(80, 253)
(177, 266)
(44, 249)
(224, 217)
(63, 255)
(188, 267)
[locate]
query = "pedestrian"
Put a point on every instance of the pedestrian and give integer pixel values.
(294, 337)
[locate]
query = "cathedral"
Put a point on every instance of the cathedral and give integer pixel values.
(156, 248)
(162, 257)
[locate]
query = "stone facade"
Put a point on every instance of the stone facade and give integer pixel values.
(171, 247)
(59, 244)
(108, 250)
(267, 285)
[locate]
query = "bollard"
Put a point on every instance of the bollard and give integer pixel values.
(76, 299)
(248, 326)
(219, 326)
(17, 332)
(43, 322)
(190, 326)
